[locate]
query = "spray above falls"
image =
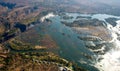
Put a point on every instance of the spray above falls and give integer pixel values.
(110, 61)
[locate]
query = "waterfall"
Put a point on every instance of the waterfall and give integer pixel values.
(47, 16)
(111, 59)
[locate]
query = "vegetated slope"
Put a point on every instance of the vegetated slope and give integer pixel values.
(17, 15)
(36, 61)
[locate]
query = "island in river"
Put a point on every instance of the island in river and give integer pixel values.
(59, 35)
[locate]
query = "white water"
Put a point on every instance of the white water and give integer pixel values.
(47, 16)
(111, 59)
(103, 16)
(110, 62)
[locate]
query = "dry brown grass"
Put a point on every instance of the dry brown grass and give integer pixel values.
(2, 29)
(98, 31)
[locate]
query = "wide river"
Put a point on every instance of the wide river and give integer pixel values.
(74, 49)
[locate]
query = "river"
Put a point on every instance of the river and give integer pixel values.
(74, 49)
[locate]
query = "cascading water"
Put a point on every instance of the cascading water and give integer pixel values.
(111, 59)
(107, 58)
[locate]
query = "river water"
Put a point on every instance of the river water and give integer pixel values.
(74, 49)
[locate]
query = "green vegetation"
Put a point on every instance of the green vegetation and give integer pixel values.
(84, 23)
(2, 29)
(2, 60)
(29, 20)
(41, 60)
(67, 17)
(18, 45)
(50, 57)
(12, 31)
